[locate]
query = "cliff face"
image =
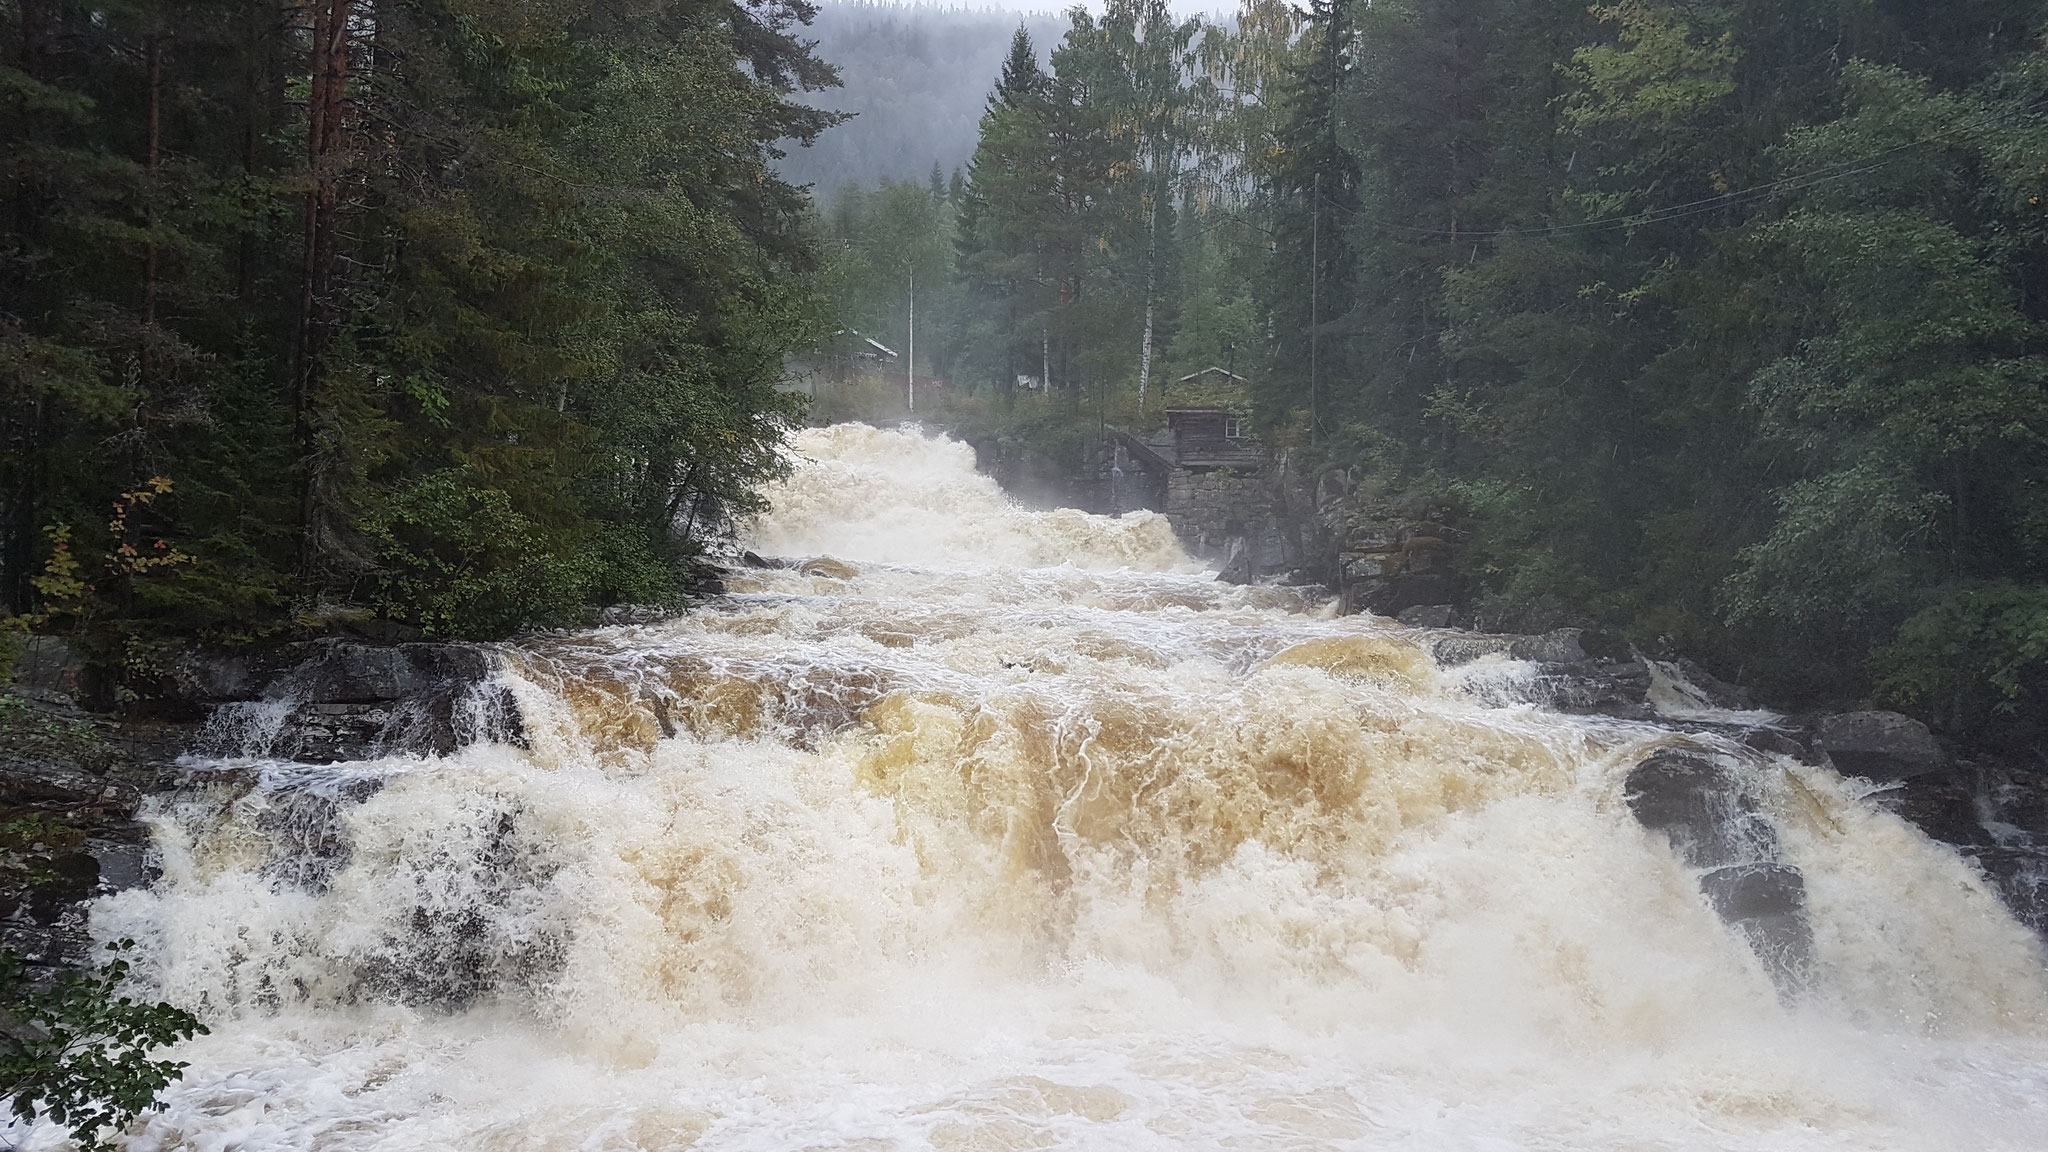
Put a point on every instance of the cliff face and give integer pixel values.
(1390, 553)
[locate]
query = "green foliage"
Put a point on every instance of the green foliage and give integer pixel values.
(1722, 319)
(1658, 73)
(1975, 657)
(13, 643)
(76, 1051)
(541, 247)
(463, 562)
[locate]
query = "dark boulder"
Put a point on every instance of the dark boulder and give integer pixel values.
(1880, 746)
(1425, 616)
(1767, 904)
(1695, 801)
(1599, 688)
(756, 560)
(1556, 647)
(1712, 817)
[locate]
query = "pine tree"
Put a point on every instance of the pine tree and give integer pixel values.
(472, 319)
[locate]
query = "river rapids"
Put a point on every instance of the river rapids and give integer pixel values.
(986, 828)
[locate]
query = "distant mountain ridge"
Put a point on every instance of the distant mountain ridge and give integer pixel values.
(916, 77)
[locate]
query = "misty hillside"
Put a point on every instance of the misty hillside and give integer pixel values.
(916, 77)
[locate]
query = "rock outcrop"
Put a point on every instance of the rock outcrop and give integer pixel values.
(72, 782)
(1881, 746)
(1710, 812)
(1393, 554)
(330, 700)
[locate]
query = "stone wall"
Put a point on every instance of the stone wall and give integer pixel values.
(1222, 515)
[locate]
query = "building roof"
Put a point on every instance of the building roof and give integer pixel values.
(870, 341)
(1216, 370)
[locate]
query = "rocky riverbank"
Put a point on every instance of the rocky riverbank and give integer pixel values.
(1992, 810)
(72, 781)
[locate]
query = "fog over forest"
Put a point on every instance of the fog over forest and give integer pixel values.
(915, 78)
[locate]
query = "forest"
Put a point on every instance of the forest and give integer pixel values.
(460, 315)
(1719, 320)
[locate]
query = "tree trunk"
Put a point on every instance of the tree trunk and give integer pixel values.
(155, 153)
(1145, 352)
(324, 160)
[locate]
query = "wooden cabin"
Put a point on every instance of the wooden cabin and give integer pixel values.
(1206, 438)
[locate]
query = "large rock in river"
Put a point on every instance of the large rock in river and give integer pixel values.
(1880, 746)
(1711, 814)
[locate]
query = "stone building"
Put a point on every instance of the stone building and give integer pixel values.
(1218, 496)
(1209, 475)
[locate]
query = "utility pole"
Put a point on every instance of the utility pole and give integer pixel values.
(910, 359)
(1315, 271)
(1151, 260)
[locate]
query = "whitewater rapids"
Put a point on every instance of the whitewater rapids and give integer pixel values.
(997, 829)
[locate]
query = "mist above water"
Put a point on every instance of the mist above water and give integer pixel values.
(998, 829)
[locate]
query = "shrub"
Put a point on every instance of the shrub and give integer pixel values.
(77, 1052)
(462, 561)
(1977, 655)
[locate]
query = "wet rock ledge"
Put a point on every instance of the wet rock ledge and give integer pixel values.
(1992, 810)
(72, 782)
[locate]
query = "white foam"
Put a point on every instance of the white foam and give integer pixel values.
(1000, 851)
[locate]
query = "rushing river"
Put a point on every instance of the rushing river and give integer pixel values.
(1000, 829)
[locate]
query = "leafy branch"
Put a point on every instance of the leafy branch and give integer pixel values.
(76, 1051)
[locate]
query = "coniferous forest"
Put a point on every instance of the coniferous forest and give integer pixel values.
(1720, 321)
(463, 315)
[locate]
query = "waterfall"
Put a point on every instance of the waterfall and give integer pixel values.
(979, 827)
